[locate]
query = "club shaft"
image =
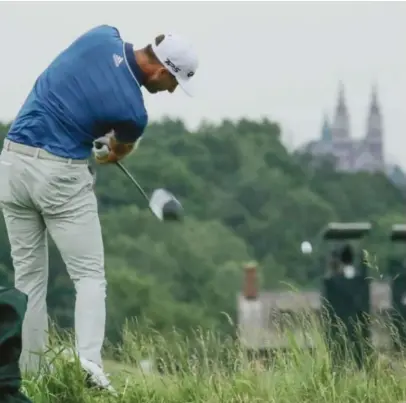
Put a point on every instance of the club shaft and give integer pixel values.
(132, 179)
(126, 172)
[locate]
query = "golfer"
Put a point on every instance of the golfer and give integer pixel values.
(92, 88)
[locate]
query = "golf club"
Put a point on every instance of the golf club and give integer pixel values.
(162, 203)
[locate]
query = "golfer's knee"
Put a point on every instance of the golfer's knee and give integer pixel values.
(92, 281)
(86, 269)
(32, 283)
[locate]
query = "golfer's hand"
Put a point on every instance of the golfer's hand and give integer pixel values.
(107, 150)
(102, 152)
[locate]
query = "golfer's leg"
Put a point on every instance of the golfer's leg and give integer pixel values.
(77, 233)
(27, 236)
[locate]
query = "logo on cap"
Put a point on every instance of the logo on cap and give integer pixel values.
(175, 68)
(190, 74)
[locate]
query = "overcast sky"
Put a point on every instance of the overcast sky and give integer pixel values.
(282, 60)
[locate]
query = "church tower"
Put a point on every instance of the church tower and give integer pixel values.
(374, 131)
(341, 124)
(340, 133)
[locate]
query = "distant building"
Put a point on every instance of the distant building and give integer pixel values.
(354, 155)
(273, 319)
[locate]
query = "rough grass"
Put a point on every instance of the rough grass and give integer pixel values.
(208, 370)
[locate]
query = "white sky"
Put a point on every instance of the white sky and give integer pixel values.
(282, 60)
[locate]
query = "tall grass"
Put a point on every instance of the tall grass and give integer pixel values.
(204, 368)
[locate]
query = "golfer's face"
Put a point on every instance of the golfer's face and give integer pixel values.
(169, 82)
(162, 81)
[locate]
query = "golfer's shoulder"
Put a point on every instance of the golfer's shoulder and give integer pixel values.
(100, 40)
(101, 32)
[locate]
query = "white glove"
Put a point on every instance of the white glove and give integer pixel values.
(101, 147)
(101, 152)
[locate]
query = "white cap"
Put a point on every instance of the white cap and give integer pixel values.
(179, 58)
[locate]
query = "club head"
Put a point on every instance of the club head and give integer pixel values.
(172, 211)
(165, 206)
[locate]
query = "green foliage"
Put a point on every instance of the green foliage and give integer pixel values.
(245, 197)
(201, 368)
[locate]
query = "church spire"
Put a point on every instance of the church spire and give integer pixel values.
(374, 123)
(341, 124)
(374, 132)
(341, 105)
(374, 104)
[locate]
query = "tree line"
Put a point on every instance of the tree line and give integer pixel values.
(246, 197)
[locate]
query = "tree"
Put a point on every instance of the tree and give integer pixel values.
(245, 198)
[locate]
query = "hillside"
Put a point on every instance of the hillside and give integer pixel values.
(246, 197)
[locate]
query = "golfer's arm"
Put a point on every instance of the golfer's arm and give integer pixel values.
(126, 138)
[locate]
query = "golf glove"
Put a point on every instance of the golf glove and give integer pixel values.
(101, 153)
(111, 151)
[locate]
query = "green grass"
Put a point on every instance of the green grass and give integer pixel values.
(221, 374)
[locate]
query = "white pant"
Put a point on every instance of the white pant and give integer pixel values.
(40, 196)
